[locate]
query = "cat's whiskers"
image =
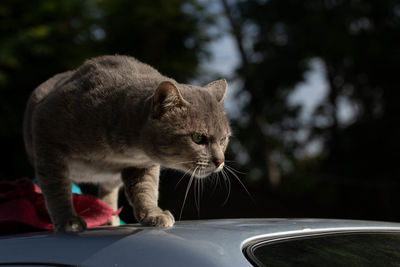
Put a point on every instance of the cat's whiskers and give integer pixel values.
(232, 171)
(200, 190)
(183, 176)
(227, 185)
(197, 195)
(198, 184)
(182, 162)
(187, 191)
(202, 163)
(215, 177)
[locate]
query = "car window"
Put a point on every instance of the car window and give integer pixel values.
(350, 249)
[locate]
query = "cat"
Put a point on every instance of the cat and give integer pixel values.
(114, 121)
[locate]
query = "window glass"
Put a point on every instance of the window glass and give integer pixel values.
(355, 249)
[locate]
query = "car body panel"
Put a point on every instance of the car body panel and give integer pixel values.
(188, 243)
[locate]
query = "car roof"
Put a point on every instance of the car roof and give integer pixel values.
(188, 243)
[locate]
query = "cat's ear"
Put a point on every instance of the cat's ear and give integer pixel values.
(218, 89)
(167, 97)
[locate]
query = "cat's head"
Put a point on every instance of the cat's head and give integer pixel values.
(188, 128)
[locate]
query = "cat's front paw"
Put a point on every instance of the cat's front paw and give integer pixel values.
(73, 224)
(158, 217)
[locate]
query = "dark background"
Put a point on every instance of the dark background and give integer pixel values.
(354, 172)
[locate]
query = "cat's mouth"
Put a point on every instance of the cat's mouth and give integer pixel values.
(203, 169)
(219, 168)
(198, 169)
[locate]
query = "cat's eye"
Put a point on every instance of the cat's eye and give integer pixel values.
(199, 138)
(223, 141)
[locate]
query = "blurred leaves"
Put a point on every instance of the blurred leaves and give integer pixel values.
(358, 43)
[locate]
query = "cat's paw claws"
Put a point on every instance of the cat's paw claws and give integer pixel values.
(158, 218)
(73, 224)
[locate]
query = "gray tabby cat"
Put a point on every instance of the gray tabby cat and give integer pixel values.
(114, 121)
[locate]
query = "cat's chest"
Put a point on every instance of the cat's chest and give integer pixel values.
(107, 168)
(129, 158)
(91, 172)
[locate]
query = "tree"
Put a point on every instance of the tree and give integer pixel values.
(358, 43)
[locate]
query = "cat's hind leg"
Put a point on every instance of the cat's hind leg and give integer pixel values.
(141, 188)
(57, 190)
(108, 192)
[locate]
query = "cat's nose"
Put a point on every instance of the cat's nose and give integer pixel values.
(218, 162)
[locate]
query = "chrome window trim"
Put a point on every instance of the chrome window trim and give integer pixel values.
(249, 245)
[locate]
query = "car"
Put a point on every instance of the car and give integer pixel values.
(224, 242)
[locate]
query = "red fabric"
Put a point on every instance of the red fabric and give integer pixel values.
(22, 207)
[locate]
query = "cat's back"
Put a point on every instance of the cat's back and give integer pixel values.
(115, 72)
(123, 65)
(100, 77)
(118, 65)
(89, 96)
